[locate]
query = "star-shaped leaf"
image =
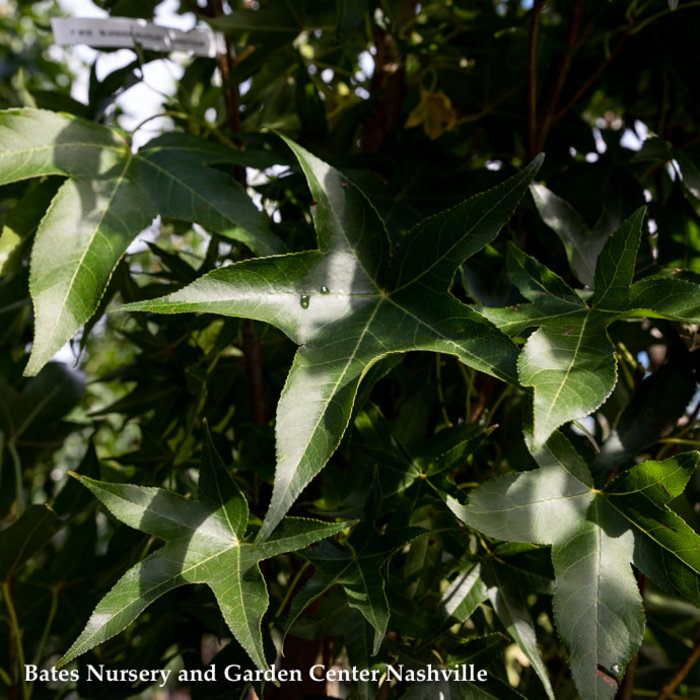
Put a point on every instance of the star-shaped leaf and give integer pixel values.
(569, 361)
(359, 571)
(594, 536)
(204, 543)
(351, 303)
(111, 196)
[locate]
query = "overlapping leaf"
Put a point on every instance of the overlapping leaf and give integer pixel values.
(350, 303)
(358, 572)
(569, 361)
(479, 582)
(204, 544)
(652, 411)
(666, 548)
(111, 195)
(582, 244)
(594, 536)
(512, 611)
(25, 537)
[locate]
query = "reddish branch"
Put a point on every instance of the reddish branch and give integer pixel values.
(683, 671)
(539, 127)
(388, 80)
(562, 73)
(596, 73)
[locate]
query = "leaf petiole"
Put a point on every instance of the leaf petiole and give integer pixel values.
(291, 588)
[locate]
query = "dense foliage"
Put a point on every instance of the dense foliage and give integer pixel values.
(404, 376)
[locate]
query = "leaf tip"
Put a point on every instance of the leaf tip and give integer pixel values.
(35, 363)
(537, 161)
(65, 659)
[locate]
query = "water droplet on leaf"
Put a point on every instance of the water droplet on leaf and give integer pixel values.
(616, 668)
(324, 289)
(304, 301)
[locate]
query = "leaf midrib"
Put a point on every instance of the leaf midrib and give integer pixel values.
(538, 321)
(540, 501)
(440, 258)
(656, 482)
(638, 527)
(167, 516)
(47, 398)
(365, 586)
(340, 228)
(572, 364)
(312, 432)
(545, 290)
(613, 278)
(87, 248)
(27, 539)
(437, 333)
(143, 594)
(169, 175)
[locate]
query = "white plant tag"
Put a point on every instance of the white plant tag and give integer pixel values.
(117, 32)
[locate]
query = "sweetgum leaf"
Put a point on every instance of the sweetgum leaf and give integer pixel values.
(569, 360)
(110, 196)
(22, 220)
(666, 548)
(508, 604)
(25, 537)
(653, 409)
(595, 535)
(358, 572)
(349, 304)
(582, 244)
(465, 593)
(204, 544)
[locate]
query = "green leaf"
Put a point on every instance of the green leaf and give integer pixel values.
(511, 609)
(350, 303)
(594, 536)
(465, 593)
(24, 538)
(661, 297)
(111, 196)
(359, 572)
(615, 269)
(571, 365)
(22, 220)
(569, 360)
(582, 244)
(471, 656)
(667, 548)
(204, 544)
(44, 399)
(534, 280)
(653, 409)
(218, 489)
(690, 173)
